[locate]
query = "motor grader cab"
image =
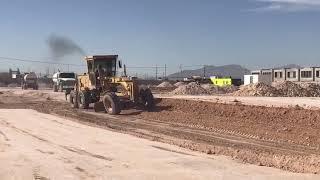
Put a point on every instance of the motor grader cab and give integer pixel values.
(102, 86)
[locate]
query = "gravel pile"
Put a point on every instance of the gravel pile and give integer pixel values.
(165, 85)
(257, 89)
(311, 89)
(179, 84)
(190, 89)
(283, 89)
(290, 89)
(212, 89)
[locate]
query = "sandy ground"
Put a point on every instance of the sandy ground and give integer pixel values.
(44, 146)
(304, 102)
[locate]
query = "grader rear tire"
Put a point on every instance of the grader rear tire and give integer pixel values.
(111, 104)
(147, 99)
(83, 100)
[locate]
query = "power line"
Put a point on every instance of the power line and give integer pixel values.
(81, 65)
(70, 64)
(146, 67)
(38, 61)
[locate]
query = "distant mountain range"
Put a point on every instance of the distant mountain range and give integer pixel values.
(233, 70)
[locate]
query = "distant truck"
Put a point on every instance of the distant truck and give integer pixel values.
(63, 81)
(30, 80)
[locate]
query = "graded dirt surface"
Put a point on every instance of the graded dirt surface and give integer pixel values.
(303, 102)
(294, 125)
(284, 138)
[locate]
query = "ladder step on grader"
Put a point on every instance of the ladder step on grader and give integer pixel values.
(108, 92)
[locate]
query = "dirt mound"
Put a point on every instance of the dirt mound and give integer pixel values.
(257, 89)
(311, 89)
(289, 126)
(165, 85)
(179, 84)
(190, 89)
(283, 88)
(212, 89)
(290, 89)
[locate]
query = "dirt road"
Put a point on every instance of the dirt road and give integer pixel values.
(303, 102)
(42, 146)
(222, 129)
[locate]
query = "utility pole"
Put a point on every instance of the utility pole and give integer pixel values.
(165, 71)
(47, 71)
(156, 72)
(180, 67)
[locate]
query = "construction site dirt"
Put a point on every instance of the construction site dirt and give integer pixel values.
(285, 138)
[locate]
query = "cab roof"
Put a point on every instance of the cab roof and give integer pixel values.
(101, 57)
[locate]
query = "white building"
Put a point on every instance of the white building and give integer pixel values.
(255, 78)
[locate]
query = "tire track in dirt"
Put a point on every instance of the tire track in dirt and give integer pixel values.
(68, 148)
(37, 174)
(4, 136)
(220, 134)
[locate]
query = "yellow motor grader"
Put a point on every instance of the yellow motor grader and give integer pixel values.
(107, 91)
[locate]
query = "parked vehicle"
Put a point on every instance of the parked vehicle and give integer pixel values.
(63, 81)
(30, 80)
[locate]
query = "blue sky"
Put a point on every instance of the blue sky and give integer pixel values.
(252, 33)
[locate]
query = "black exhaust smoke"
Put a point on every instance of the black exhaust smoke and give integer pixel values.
(61, 46)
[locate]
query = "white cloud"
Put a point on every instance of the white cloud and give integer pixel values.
(288, 5)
